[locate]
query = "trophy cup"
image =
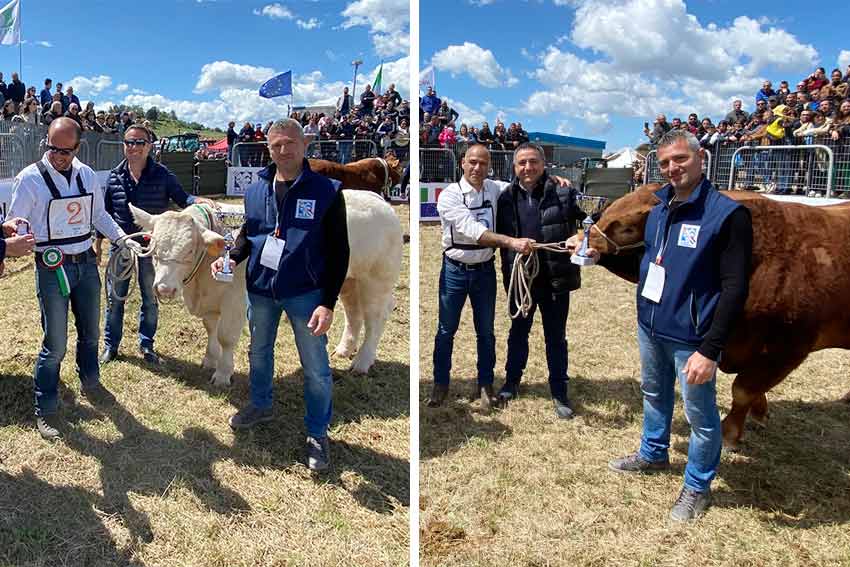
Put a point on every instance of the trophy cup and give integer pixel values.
(230, 222)
(590, 205)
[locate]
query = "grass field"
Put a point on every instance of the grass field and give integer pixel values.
(521, 488)
(161, 480)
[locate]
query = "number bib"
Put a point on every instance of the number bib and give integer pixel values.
(69, 217)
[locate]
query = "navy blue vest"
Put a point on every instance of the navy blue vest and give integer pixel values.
(690, 260)
(302, 265)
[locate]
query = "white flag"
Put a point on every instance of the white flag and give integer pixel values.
(10, 23)
(426, 78)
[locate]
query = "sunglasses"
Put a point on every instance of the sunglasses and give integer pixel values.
(130, 143)
(61, 151)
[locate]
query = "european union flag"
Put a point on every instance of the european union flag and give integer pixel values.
(277, 86)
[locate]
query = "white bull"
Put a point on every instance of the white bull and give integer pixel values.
(185, 245)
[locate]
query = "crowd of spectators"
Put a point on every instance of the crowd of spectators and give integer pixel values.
(818, 107)
(438, 128)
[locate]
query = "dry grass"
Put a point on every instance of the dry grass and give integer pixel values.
(160, 479)
(522, 488)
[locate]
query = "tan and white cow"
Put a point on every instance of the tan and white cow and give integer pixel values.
(185, 247)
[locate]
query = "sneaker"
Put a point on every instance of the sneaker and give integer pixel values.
(509, 391)
(150, 356)
(249, 416)
(98, 395)
(690, 505)
(318, 453)
(438, 395)
(634, 463)
(486, 398)
(48, 427)
(107, 356)
(563, 409)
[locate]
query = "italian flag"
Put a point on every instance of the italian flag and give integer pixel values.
(10, 23)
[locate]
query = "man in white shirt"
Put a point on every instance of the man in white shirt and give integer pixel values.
(62, 199)
(467, 213)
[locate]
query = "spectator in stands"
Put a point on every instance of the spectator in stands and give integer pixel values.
(430, 102)
(259, 136)
(402, 134)
(806, 125)
(659, 128)
(111, 125)
(772, 102)
(391, 112)
(765, 92)
(434, 128)
(367, 100)
(783, 92)
(9, 110)
(246, 134)
(761, 106)
(72, 98)
(792, 102)
(447, 136)
(74, 114)
(737, 113)
(722, 134)
(392, 95)
(52, 114)
(825, 107)
(29, 112)
(345, 103)
(3, 88)
(463, 135)
(839, 85)
(485, 136)
(17, 90)
(704, 126)
(46, 97)
(100, 120)
(693, 124)
(61, 98)
(446, 113)
(386, 131)
(710, 130)
(312, 127)
(676, 124)
(499, 136)
(816, 80)
(521, 133)
(841, 123)
(404, 111)
(822, 124)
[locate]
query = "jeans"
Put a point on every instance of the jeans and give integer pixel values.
(661, 362)
(553, 310)
(263, 319)
(84, 282)
(148, 314)
(456, 283)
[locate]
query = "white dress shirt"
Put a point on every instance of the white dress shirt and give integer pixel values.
(456, 218)
(30, 199)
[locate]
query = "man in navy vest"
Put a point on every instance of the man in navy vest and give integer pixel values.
(295, 239)
(694, 281)
(148, 185)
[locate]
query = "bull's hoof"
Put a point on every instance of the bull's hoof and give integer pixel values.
(220, 380)
(344, 352)
(208, 363)
(360, 366)
(731, 446)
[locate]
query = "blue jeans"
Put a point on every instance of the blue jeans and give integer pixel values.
(84, 281)
(553, 310)
(456, 283)
(661, 362)
(263, 319)
(148, 314)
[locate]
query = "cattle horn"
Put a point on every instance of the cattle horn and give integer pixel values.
(142, 218)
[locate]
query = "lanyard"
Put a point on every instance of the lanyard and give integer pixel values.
(660, 255)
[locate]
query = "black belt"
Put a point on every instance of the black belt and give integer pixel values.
(465, 266)
(81, 258)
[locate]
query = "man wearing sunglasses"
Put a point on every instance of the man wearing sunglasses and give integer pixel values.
(62, 199)
(150, 186)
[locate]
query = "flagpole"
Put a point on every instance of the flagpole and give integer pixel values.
(20, 43)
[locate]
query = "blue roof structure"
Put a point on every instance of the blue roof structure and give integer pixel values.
(566, 140)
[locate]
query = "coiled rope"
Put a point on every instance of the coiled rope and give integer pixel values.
(525, 269)
(123, 260)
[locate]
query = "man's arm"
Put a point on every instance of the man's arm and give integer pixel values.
(176, 192)
(336, 251)
(101, 219)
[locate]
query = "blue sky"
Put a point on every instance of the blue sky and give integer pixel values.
(205, 59)
(599, 69)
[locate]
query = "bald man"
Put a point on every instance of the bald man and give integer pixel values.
(62, 200)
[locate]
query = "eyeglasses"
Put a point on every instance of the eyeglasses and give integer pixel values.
(135, 142)
(61, 151)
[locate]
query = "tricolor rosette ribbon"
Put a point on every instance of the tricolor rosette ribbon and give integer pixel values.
(53, 258)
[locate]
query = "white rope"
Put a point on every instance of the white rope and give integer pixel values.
(123, 261)
(523, 272)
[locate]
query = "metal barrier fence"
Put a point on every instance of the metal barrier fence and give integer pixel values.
(652, 173)
(342, 151)
(783, 169)
(251, 154)
(12, 156)
(437, 165)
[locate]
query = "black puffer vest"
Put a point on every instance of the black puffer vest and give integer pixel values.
(559, 219)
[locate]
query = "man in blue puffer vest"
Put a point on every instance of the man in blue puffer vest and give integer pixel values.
(295, 239)
(151, 187)
(694, 281)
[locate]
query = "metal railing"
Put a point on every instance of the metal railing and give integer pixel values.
(342, 151)
(251, 154)
(12, 156)
(437, 165)
(783, 169)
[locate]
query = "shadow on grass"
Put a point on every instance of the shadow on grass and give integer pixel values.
(457, 423)
(43, 524)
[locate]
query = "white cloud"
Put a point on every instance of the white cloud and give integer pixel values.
(139, 92)
(224, 74)
(275, 11)
(843, 60)
(387, 20)
(44, 43)
(475, 61)
(480, 3)
(122, 88)
(89, 86)
(466, 114)
(331, 55)
(397, 72)
(563, 128)
(310, 24)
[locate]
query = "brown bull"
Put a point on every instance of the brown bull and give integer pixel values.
(367, 173)
(799, 299)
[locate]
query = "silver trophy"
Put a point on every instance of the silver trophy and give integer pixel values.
(230, 223)
(591, 205)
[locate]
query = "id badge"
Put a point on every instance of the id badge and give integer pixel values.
(272, 251)
(654, 285)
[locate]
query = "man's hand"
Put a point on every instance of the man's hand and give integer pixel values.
(218, 265)
(205, 201)
(561, 181)
(834, 134)
(521, 245)
(10, 227)
(321, 321)
(20, 245)
(699, 369)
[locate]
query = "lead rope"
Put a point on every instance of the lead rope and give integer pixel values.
(122, 263)
(523, 272)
